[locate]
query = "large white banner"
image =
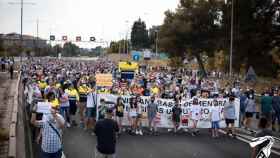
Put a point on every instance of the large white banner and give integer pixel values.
(165, 110)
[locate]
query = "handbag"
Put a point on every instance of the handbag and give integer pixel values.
(62, 153)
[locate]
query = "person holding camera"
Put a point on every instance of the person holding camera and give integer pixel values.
(51, 125)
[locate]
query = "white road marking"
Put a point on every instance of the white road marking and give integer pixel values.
(247, 141)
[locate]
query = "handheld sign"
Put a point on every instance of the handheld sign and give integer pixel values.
(104, 80)
(44, 107)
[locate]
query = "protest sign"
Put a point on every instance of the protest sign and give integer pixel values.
(43, 107)
(104, 80)
(165, 110)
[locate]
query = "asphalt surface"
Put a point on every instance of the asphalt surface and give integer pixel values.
(81, 144)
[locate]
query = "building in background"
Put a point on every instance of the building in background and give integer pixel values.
(29, 42)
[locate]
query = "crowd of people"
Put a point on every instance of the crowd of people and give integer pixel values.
(69, 86)
(8, 63)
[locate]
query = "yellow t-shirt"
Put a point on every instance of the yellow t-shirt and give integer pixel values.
(55, 103)
(155, 90)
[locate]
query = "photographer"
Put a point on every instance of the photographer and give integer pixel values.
(52, 125)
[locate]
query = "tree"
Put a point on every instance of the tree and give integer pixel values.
(139, 35)
(114, 47)
(121, 46)
(70, 50)
(191, 29)
(255, 21)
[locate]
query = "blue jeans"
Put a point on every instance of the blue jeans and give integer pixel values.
(64, 111)
(57, 154)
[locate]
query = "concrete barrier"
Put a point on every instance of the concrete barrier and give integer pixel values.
(12, 153)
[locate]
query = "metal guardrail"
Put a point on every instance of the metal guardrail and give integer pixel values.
(12, 153)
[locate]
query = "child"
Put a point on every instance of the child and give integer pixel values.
(215, 116)
(195, 115)
(176, 115)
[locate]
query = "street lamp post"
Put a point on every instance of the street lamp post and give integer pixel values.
(231, 38)
(21, 17)
(156, 43)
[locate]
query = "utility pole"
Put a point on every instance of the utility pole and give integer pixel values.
(21, 3)
(231, 38)
(156, 43)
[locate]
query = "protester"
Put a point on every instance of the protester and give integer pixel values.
(73, 99)
(52, 126)
(83, 90)
(3, 62)
(266, 106)
(133, 115)
(243, 106)
(90, 110)
(195, 114)
(276, 110)
(250, 109)
(11, 70)
(152, 112)
(229, 115)
(176, 115)
(119, 113)
(215, 115)
(139, 116)
(64, 106)
(102, 109)
(106, 131)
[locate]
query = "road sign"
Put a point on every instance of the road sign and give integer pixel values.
(52, 37)
(78, 38)
(136, 55)
(104, 80)
(64, 38)
(92, 39)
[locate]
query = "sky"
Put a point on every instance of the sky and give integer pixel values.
(104, 19)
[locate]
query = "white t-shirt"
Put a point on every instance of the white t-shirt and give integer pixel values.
(132, 112)
(90, 101)
(65, 104)
(215, 113)
(195, 112)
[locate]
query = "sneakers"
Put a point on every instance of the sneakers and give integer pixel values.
(169, 130)
(68, 125)
(140, 132)
(136, 132)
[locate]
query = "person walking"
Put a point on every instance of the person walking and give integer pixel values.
(106, 132)
(176, 115)
(11, 70)
(119, 112)
(152, 112)
(276, 110)
(250, 109)
(195, 113)
(230, 115)
(51, 127)
(266, 106)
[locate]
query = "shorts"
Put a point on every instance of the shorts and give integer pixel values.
(248, 114)
(90, 112)
(139, 115)
(215, 125)
(73, 107)
(83, 99)
(176, 119)
(229, 121)
(132, 114)
(119, 114)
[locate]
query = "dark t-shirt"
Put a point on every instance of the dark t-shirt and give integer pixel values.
(119, 110)
(105, 131)
(176, 111)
